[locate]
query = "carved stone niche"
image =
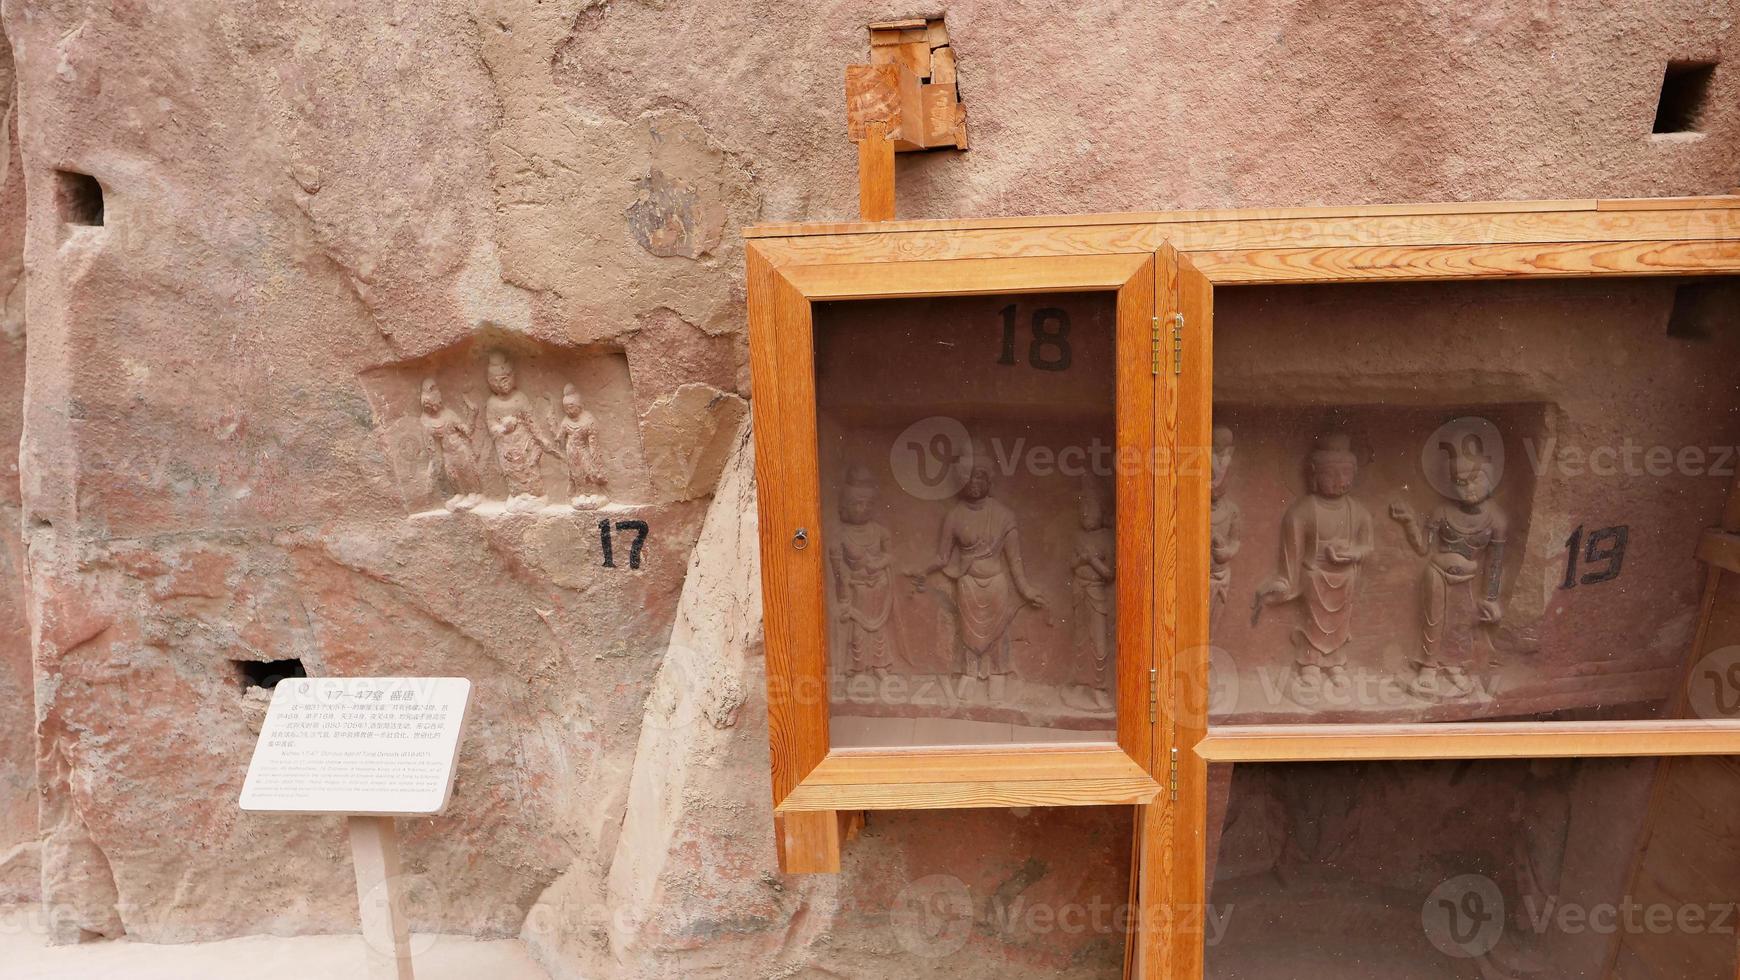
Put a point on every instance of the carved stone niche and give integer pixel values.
(1382, 610)
(500, 424)
(957, 433)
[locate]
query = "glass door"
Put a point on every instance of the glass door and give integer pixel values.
(1456, 643)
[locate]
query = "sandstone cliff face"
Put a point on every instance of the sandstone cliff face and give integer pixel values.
(309, 208)
(19, 852)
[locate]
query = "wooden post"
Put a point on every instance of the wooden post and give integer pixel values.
(876, 173)
(374, 848)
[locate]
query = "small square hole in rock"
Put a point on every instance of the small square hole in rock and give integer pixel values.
(267, 673)
(1685, 89)
(78, 197)
(1702, 309)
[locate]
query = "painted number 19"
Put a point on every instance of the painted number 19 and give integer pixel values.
(1604, 551)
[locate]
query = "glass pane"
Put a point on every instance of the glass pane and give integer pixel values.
(1052, 902)
(1545, 869)
(966, 450)
(1461, 501)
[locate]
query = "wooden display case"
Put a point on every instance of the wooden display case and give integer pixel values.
(908, 374)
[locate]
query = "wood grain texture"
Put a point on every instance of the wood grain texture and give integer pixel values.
(965, 277)
(904, 24)
(804, 720)
(892, 247)
(1473, 740)
(788, 497)
(793, 720)
(969, 794)
(945, 779)
(808, 843)
(886, 96)
(1432, 263)
(1133, 939)
(876, 173)
(1151, 849)
(1667, 203)
(770, 482)
(912, 55)
(791, 229)
(1152, 893)
(953, 764)
(1188, 661)
(1137, 439)
(1257, 234)
(1164, 559)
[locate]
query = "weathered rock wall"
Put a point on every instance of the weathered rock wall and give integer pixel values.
(19, 852)
(310, 207)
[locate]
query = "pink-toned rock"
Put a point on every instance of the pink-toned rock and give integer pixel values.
(19, 851)
(309, 208)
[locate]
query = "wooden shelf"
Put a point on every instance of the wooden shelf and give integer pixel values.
(958, 777)
(1494, 740)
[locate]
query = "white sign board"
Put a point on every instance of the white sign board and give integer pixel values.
(382, 746)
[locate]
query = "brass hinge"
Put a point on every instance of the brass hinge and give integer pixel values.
(1177, 343)
(1172, 781)
(1155, 337)
(1153, 695)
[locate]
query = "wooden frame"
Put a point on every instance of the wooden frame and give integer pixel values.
(813, 782)
(1192, 253)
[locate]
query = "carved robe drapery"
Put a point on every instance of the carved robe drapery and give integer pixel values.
(1092, 609)
(865, 591)
(1312, 532)
(1450, 589)
(1223, 536)
(517, 447)
(973, 547)
(580, 452)
(453, 441)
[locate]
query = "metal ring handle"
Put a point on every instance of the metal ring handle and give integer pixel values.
(801, 539)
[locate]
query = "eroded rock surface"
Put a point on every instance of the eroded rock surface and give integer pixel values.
(308, 208)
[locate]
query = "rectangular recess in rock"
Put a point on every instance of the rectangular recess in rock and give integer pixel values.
(1527, 466)
(1685, 95)
(267, 673)
(1704, 309)
(501, 423)
(78, 198)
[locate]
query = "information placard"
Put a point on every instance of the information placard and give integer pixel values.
(382, 746)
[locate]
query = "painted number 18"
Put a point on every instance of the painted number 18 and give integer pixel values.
(1048, 348)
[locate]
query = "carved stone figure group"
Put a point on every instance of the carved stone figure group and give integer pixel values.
(1326, 538)
(985, 586)
(519, 439)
